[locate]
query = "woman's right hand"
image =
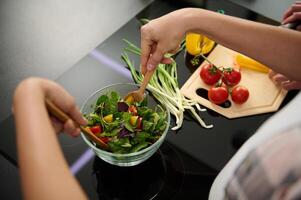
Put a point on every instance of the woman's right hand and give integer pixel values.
(160, 36)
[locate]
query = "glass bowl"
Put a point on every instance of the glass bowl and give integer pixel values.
(129, 159)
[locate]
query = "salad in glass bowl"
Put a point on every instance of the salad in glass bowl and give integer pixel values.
(132, 131)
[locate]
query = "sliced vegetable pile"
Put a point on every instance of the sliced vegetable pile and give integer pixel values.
(165, 88)
(126, 126)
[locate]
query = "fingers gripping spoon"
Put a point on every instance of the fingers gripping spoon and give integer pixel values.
(138, 95)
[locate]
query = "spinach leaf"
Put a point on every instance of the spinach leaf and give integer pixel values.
(143, 103)
(115, 148)
(147, 125)
(115, 97)
(139, 147)
(128, 126)
(102, 99)
(111, 134)
(161, 123)
(126, 116)
(112, 125)
(93, 119)
(142, 137)
(145, 113)
(110, 103)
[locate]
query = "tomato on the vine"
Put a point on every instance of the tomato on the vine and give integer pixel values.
(239, 94)
(210, 74)
(218, 95)
(231, 76)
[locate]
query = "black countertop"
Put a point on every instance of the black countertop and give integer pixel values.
(194, 154)
(267, 8)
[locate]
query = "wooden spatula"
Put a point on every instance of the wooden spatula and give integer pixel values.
(63, 117)
(138, 95)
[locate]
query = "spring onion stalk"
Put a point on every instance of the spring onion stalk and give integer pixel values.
(164, 87)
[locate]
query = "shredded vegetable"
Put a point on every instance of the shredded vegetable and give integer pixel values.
(165, 88)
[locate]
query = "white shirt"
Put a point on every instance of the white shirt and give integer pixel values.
(288, 116)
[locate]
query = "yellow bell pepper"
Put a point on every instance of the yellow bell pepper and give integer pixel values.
(249, 63)
(196, 44)
(133, 120)
(130, 100)
(108, 118)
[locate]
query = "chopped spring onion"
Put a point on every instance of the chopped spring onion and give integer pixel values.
(165, 88)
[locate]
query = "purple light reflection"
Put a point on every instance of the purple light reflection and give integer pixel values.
(107, 61)
(81, 161)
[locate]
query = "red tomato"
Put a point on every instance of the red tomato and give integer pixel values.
(132, 109)
(139, 123)
(218, 95)
(210, 74)
(105, 139)
(240, 94)
(96, 129)
(231, 76)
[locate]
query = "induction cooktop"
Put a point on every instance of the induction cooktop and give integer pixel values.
(168, 174)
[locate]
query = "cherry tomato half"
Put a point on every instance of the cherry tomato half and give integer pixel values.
(231, 76)
(218, 95)
(210, 74)
(240, 94)
(96, 129)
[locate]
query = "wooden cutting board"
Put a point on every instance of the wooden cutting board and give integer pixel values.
(265, 95)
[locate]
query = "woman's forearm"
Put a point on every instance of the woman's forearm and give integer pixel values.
(44, 171)
(275, 47)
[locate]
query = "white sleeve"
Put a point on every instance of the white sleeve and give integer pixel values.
(285, 118)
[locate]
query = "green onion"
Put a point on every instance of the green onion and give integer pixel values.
(164, 87)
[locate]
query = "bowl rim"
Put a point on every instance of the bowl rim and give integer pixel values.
(126, 154)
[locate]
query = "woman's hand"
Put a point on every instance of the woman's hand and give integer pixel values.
(284, 82)
(160, 36)
(42, 88)
(43, 168)
(293, 14)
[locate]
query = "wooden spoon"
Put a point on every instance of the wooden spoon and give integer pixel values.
(63, 117)
(138, 95)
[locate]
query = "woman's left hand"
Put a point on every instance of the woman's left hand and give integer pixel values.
(284, 82)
